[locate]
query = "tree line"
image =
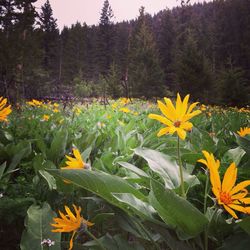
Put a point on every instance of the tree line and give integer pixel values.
(201, 49)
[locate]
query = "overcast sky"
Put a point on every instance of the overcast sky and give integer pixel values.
(68, 12)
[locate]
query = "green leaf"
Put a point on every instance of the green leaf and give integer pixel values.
(133, 168)
(2, 168)
(166, 167)
(161, 164)
(234, 155)
(245, 224)
(58, 146)
(243, 142)
(144, 209)
(176, 212)
(101, 184)
(49, 178)
(38, 228)
(20, 151)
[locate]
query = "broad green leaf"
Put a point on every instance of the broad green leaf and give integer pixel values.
(245, 224)
(114, 243)
(38, 228)
(166, 167)
(140, 207)
(161, 164)
(58, 146)
(22, 150)
(176, 212)
(243, 142)
(49, 178)
(234, 155)
(2, 168)
(133, 168)
(101, 184)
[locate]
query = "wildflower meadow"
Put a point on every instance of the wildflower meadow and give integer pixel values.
(131, 174)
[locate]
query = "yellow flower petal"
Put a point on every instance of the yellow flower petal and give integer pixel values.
(229, 178)
(181, 133)
(239, 187)
(161, 119)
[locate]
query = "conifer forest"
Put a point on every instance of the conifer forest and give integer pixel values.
(131, 135)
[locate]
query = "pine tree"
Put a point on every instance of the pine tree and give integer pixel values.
(50, 40)
(145, 74)
(105, 39)
(192, 69)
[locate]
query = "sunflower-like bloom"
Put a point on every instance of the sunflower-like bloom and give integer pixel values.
(46, 117)
(70, 223)
(35, 103)
(176, 118)
(75, 163)
(244, 131)
(4, 111)
(230, 196)
(125, 110)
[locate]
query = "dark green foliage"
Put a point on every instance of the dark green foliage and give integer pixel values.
(185, 49)
(145, 74)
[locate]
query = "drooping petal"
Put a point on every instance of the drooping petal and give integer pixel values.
(237, 207)
(181, 133)
(230, 211)
(71, 241)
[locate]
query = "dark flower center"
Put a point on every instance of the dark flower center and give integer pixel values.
(177, 124)
(225, 198)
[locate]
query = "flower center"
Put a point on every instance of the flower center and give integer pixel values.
(225, 198)
(177, 124)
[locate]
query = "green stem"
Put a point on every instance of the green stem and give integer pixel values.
(205, 209)
(95, 239)
(206, 193)
(148, 235)
(183, 194)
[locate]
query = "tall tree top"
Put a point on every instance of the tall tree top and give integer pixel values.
(106, 14)
(47, 21)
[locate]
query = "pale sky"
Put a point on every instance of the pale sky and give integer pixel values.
(68, 12)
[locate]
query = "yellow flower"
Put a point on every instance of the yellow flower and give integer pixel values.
(74, 163)
(228, 195)
(124, 100)
(114, 105)
(46, 117)
(35, 103)
(56, 105)
(176, 118)
(203, 107)
(4, 111)
(55, 110)
(77, 111)
(125, 110)
(70, 223)
(244, 131)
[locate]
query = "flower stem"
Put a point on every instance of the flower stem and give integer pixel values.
(95, 239)
(183, 194)
(206, 193)
(205, 210)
